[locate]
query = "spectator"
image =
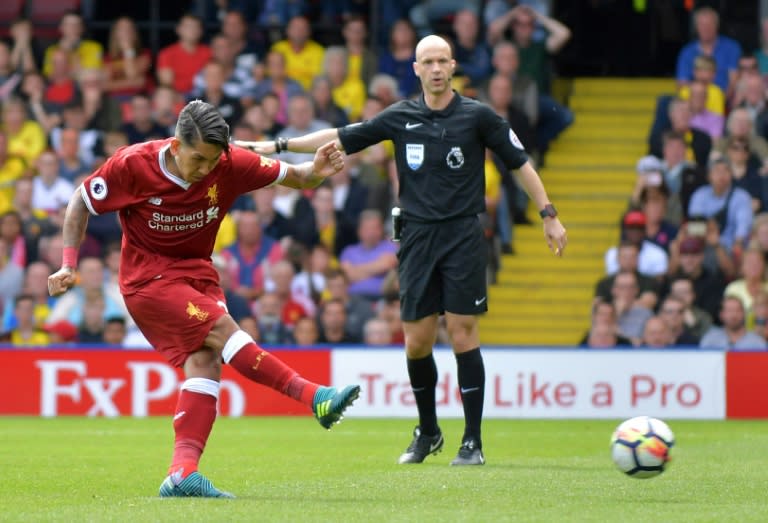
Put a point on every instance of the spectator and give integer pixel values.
(751, 283)
(656, 334)
(724, 50)
(733, 335)
(127, 63)
(235, 27)
(652, 259)
(71, 165)
(269, 312)
(306, 332)
(61, 88)
(333, 320)
(101, 110)
(698, 143)
(142, 126)
(377, 333)
(704, 70)
(45, 113)
(301, 121)
(745, 167)
(26, 52)
(362, 61)
(695, 319)
(237, 306)
(248, 258)
(426, 15)
(749, 93)
(278, 85)
(385, 88)
(35, 223)
(213, 93)
(759, 235)
(604, 329)
(702, 118)
(91, 328)
(310, 281)
(388, 309)
(294, 305)
(273, 110)
(70, 305)
(50, 190)
(10, 77)
(630, 315)
(470, 51)
(358, 309)
(348, 91)
(303, 56)
(708, 283)
(26, 139)
(273, 224)
(237, 77)
(80, 52)
(91, 144)
(178, 63)
(115, 331)
(740, 125)
(627, 261)
(12, 168)
(12, 231)
(367, 262)
(681, 176)
(729, 206)
(672, 312)
(61, 332)
(761, 54)
(653, 200)
(325, 108)
(26, 333)
(525, 92)
(11, 274)
(397, 59)
(35, 284)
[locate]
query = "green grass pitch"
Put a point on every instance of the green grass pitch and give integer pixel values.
(290, 469)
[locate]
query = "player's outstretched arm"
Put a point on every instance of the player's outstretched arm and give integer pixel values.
(308, 143)
(75, 222)
(554, 232)
(328, 161)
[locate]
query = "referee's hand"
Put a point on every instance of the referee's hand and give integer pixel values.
(554, 233)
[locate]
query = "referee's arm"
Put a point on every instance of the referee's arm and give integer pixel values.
(531, 182)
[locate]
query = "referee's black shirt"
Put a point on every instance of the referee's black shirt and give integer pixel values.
(440, 155)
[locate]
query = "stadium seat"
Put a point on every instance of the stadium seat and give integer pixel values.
(46, 14)
(10, 10)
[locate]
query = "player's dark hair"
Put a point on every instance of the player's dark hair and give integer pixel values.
(202, 122)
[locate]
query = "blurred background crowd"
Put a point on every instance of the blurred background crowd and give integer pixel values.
(80, 78)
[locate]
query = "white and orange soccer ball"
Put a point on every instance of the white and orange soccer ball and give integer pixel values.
(640, 447)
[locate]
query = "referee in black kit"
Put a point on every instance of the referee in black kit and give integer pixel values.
(440, 141)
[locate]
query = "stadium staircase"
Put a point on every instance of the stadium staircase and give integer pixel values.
(540, 299)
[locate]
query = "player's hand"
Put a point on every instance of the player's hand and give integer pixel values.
(266, 147)
(328, 160)
(61, 281)
(554, 233)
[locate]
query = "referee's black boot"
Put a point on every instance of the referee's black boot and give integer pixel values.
(422, 446)
(470, 453)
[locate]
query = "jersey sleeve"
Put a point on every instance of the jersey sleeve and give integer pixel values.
(357, 136)
(501, 139)
(252, 171)
(111, 187)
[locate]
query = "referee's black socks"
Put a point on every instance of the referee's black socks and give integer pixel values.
(423, 375)
(471, 373)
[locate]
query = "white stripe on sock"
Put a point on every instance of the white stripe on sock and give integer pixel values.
(235, 342)
(202, 386)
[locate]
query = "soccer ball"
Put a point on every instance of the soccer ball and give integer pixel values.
(640, 447)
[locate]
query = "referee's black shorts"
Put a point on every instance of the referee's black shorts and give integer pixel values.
(442, 268)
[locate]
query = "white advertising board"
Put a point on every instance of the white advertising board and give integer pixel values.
(543, 383)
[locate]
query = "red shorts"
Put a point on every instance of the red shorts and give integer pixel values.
(177, 315)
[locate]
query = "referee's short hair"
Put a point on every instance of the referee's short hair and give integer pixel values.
(201, 122)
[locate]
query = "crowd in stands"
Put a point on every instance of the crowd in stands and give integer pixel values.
(298, 267)
(690, 265)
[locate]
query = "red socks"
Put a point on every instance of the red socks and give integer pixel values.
(258, 365)
(193, 421)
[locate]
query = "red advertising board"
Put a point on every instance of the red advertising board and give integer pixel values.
(745, 391)
(106, 382)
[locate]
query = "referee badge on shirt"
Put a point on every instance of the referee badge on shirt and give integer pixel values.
(414, 155)
(514, 140)
(455, 158)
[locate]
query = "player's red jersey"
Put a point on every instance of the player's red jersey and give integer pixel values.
(169, 225)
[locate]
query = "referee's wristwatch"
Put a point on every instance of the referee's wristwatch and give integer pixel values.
(548, 211)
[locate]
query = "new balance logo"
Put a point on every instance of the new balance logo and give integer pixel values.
(179, 415)
(155, 200)
(410, 126)
(480, 301)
